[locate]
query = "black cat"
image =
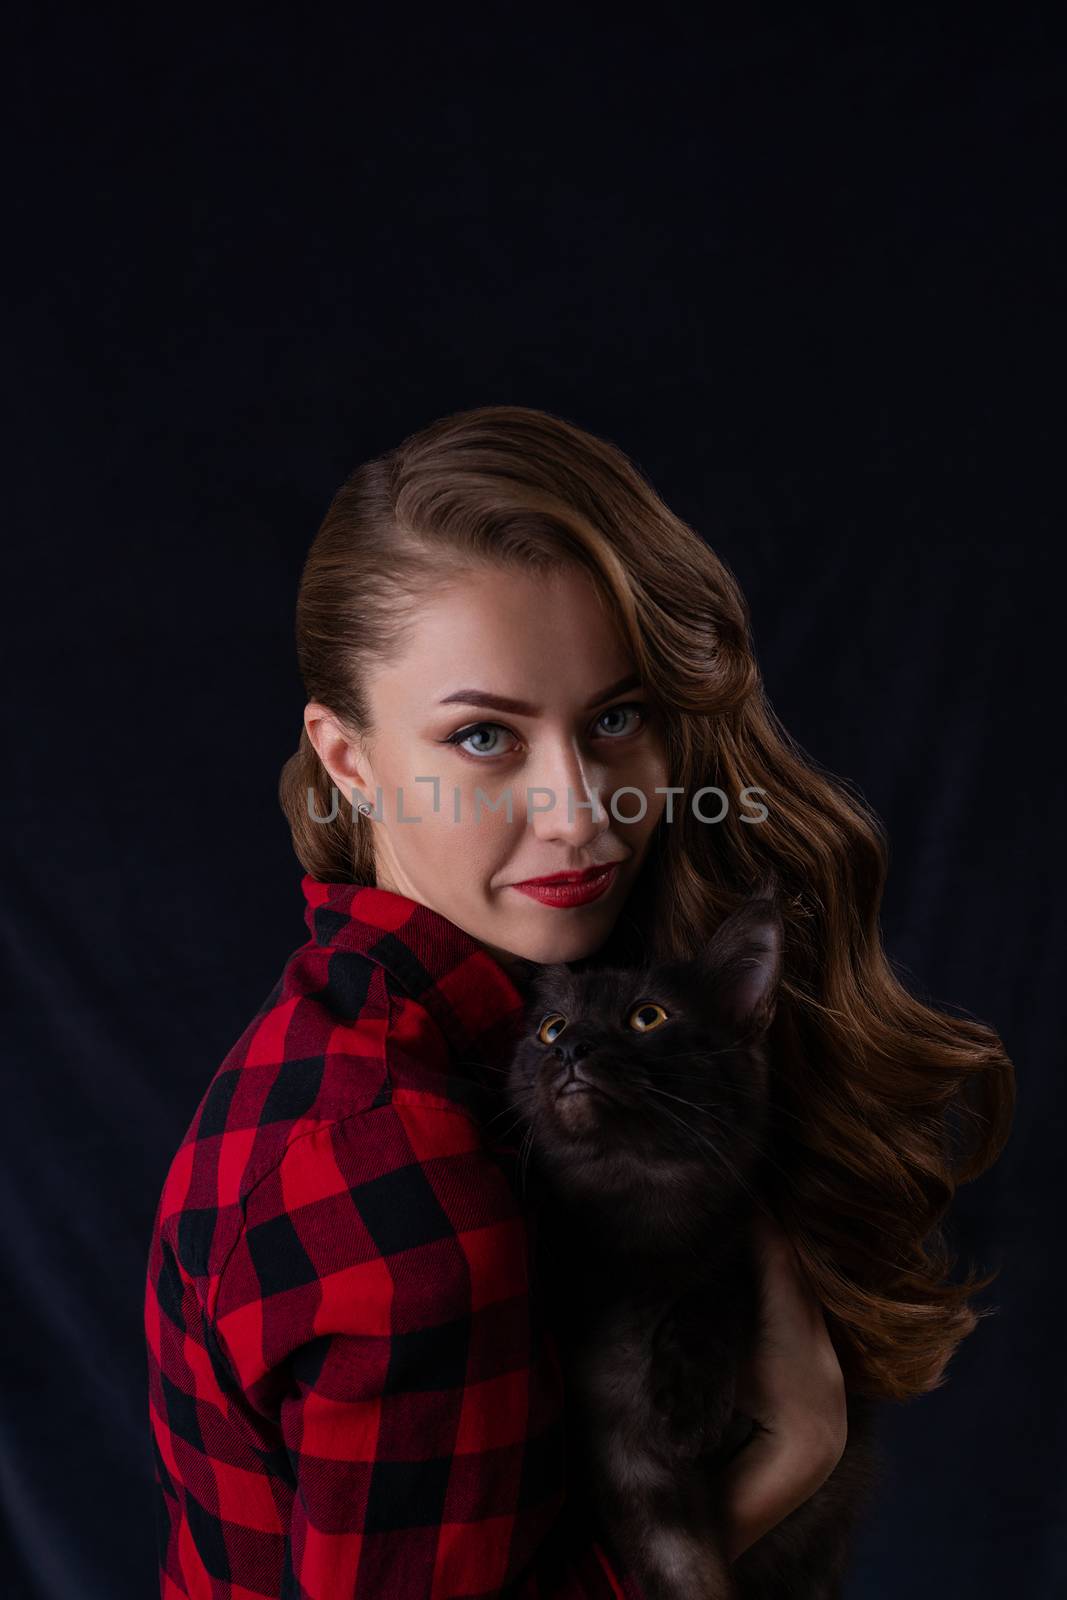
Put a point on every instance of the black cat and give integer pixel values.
(644, 1097)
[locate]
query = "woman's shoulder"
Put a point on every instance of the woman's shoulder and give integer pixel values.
(386, 1007)
(376, 1146)
(330, 1043)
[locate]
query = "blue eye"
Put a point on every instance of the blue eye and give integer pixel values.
(488, 732)
(476, 730)
(632, 708)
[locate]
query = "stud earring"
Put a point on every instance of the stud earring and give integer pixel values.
(365, 806)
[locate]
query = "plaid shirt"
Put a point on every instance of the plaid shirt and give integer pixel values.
(352, 1393)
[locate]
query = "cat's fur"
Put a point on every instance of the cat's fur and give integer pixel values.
(643, 1196)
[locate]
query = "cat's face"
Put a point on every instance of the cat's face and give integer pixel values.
(655, 1064)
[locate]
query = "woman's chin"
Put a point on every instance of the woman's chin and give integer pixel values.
(549, 945)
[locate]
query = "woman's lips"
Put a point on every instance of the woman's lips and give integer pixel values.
(571, 894)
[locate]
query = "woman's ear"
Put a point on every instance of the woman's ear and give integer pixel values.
(341, 753)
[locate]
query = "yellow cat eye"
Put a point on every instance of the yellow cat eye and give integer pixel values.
(551, 1027)
(646, 1016)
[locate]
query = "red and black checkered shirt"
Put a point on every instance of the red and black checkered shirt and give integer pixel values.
(352, 1393)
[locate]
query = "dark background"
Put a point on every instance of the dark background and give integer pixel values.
(807, 274)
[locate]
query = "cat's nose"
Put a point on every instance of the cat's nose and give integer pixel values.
(573, 1050)
(569, 1075)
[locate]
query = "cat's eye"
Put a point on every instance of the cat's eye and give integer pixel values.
(551, 1027)
(646, 1016)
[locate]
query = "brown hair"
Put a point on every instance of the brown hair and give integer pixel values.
(873, 1086)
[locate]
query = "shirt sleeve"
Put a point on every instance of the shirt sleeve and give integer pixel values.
(376, 1310)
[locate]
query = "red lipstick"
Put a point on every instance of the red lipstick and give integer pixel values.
(570, 888)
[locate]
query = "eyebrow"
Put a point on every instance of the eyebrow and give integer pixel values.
(522, 708)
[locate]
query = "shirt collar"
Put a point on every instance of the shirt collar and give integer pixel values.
(477, 1005)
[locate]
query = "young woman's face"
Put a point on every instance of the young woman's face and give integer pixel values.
(581, 726)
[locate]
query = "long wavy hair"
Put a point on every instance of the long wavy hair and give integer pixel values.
(883, 1104)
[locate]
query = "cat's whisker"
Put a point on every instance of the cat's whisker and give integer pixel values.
(733, 1132)
(702, 1054)
(525, 1151)
(713, 1147)
(762, 1151)
(505, 1133)
(485, 1066)
(748, 1091)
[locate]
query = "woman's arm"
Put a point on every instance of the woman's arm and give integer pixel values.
(793, 1386)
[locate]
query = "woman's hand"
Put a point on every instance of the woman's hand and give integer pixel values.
(793, 1387)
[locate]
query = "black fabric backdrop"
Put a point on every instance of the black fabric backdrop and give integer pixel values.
(807, 275)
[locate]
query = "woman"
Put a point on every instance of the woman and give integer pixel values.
(520, 664)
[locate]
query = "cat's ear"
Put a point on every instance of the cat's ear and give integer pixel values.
(743, 963)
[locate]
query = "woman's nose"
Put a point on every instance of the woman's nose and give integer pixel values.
(566, 802)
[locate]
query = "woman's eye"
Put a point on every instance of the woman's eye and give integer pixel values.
(646, 1016)
(486, 732)
(486, 739)
(633, 709)
(551, 1027)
